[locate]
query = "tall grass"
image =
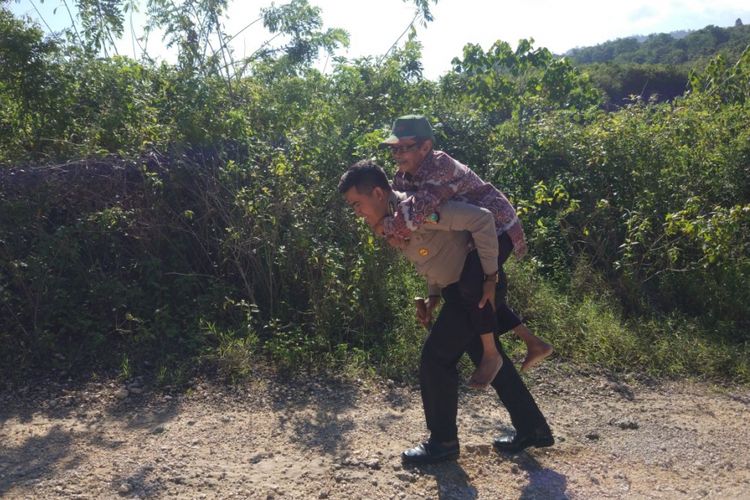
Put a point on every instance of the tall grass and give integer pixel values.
(586, 326)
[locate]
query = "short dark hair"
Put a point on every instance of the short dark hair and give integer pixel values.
(364, 176)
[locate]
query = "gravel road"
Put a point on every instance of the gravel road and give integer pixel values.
(272, 438)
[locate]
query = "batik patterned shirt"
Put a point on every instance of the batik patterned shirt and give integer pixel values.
(440, 178)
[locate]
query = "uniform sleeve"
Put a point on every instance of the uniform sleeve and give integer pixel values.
(459, 216)
(444, 175)
(433, 289)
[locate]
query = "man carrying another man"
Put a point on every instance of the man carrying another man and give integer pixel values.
(454, 251)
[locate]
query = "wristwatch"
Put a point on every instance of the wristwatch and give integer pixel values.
(492, 277)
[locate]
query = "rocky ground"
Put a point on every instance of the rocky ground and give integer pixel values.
(617, 438)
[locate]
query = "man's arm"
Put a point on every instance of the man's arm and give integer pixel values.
(459, 216)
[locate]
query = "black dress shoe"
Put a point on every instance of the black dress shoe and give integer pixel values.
(430, 452)
(519, 443)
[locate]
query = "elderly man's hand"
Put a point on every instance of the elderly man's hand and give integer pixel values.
(488, 294)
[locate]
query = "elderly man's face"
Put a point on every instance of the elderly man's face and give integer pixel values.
(372, 207)
(409, 154)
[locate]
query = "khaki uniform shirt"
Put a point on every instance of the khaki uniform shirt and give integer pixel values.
(438, 248)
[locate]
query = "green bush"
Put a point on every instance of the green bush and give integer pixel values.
(170, 217)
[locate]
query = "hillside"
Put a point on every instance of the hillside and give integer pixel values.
(694, 47)
(656, 67)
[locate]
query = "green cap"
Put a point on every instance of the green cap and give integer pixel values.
(410, 127)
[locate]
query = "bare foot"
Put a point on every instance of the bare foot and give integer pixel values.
(485, 372)
(535, 355)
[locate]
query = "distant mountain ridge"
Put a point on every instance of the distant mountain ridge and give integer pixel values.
(675, 48)
(657, 66)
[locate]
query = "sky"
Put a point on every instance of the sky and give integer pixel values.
(374, 25)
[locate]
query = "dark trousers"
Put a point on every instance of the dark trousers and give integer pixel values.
(507, 319)
(451, 336)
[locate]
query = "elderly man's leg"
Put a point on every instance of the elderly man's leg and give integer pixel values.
(537, 350)
(531, 426)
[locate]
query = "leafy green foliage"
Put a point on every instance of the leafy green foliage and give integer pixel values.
(102, 22)
(186, 215)
(502, 80)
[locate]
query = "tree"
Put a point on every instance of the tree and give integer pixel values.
(502, 80)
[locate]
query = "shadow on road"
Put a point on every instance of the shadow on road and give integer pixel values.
(74, 414)
(544, 483)
(314, 412)
(452, 481)
(37, 458)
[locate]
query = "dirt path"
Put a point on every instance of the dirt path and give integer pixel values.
(269, 439)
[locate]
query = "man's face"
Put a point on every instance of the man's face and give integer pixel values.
(372, 207)
(409, 154)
